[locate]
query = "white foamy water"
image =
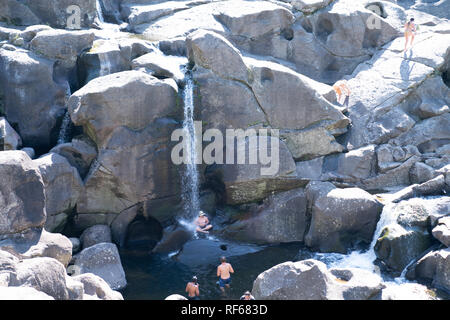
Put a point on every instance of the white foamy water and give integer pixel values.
(66, 123)
(360, 259)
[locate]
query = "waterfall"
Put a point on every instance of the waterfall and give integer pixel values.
(99, 11)
(105, 64)
(358, 259)
(190, 181)
(66, 124)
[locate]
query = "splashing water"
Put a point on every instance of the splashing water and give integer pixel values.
(66, 124)
(190, 182)
(362, 259)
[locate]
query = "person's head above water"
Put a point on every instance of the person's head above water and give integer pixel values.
(194, 279)
(247, 293)
(223, 259)
(201, 213)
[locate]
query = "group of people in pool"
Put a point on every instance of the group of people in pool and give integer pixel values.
(224, 270)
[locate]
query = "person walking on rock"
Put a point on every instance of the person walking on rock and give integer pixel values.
(410, 33)
(342, 92)
(224, 271)
(192, 289)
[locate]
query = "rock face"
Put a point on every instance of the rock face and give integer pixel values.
(310, 280)
(95, 234)
(21, 193)
(408, 237)
(248, 182)
(23, 74)
(127, 134)
(340, 217)
(103, 260)
(62, 185)
(283, 218)
(434, 267)
(442, 231)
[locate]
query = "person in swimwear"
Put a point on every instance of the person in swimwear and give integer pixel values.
(410, 33)
(192, 289)
(342, 92)
(224, 271)
(202, 223)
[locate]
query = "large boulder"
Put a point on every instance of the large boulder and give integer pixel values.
(33, 102)
(285, 282)
(95, 288)
(340, 217)
(95, 234)
(132, 167)
(22, 198)
(105, 57)
(212, 51)
(39, 243)
(100, 107)
(282, 218)
(408, 237)
(62, 185)
(310, 280)
(43, 274)
(434, 267)
(62, 45)
(103, 260)
(442, 231)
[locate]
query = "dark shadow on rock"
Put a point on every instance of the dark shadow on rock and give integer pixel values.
(405, 68)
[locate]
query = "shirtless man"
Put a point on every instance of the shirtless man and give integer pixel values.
(223, 272)
(202, 223)
(192, 289)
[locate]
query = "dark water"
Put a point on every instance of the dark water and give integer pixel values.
(156, 276)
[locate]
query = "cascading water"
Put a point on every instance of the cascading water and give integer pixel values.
(99, 12)
(66, 124)
(190, 180)
(358, 259)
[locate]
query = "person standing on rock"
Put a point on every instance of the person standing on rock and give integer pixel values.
(410, 33)
(202, 223)
(342, 92)
(192, 289)
(224, 271)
